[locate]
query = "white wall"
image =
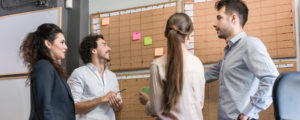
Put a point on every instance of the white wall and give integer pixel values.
(15, 100)
(111, 5)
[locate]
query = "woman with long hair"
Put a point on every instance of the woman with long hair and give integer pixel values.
(177, 78)
(42, 52)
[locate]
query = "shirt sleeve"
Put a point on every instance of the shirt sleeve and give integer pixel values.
(42, 83)
(116, 86)
(199, 86)
(259, 62)
(76, 85)
(153, 107)
(212, 73)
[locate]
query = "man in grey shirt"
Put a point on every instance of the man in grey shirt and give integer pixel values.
(246, 73)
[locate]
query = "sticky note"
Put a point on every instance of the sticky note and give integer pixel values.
(96, 26)
(159, 52)
(136, 35)
(145, 90)
(95, 20)
(148, 40)
(105, 21)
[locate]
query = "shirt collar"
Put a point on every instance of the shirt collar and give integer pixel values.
(95, 68)
(236, 38)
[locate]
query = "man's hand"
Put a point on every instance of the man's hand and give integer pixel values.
(108, 95)
(143, 98)
(115, 103)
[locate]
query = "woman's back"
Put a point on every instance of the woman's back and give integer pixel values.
(190, 103)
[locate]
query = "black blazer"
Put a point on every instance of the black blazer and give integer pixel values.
(51, 98)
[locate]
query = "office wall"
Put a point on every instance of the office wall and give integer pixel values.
(27, 7)
(78, 21)
(110, 5)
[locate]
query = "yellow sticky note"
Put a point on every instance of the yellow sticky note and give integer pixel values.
(147, 40)
(105, 21)
(159, 52)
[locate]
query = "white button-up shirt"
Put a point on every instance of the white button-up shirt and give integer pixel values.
(86, 84)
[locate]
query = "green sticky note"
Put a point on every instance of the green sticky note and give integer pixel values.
(145, 90)
(147, 40)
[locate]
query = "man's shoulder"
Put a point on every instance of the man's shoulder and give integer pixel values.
(252, 39)
(80, 70)
(254, 42)
(111, 73)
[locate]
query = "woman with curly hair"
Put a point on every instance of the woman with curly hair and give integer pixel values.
(42, 52)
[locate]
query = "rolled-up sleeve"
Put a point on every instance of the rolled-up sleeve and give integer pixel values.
(212, 73)
(260, 63)
(76, 85)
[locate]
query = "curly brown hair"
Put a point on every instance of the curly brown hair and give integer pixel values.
(33, 48)
(88, 43)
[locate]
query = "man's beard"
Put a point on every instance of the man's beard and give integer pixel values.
(106, 60)
(224, 34)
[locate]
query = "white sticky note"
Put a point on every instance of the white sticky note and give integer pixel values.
(190, 45)
(192, 39)
(173, 4)
(160, 6)
(95, 20)
(96, 26)
(189, 13)
(104, 15)
(97, 32)
(144, 8)
(138, 10)
(195, 1)
(150, 8)
(167, 5)
(132, 11)
(123, 12)
(188, 7)
(285, 65)
(114, 13)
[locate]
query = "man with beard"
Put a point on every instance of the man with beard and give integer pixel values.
(246, 73)
(93, 86)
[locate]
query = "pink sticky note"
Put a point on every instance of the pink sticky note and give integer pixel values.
(159, 51)
(136, 35)
(105, 21)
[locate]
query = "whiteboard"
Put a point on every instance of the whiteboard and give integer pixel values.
(15, 100)
(14, 29)
(15, 96)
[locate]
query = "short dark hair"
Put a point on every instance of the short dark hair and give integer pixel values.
(88, 43)
(232, 6)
